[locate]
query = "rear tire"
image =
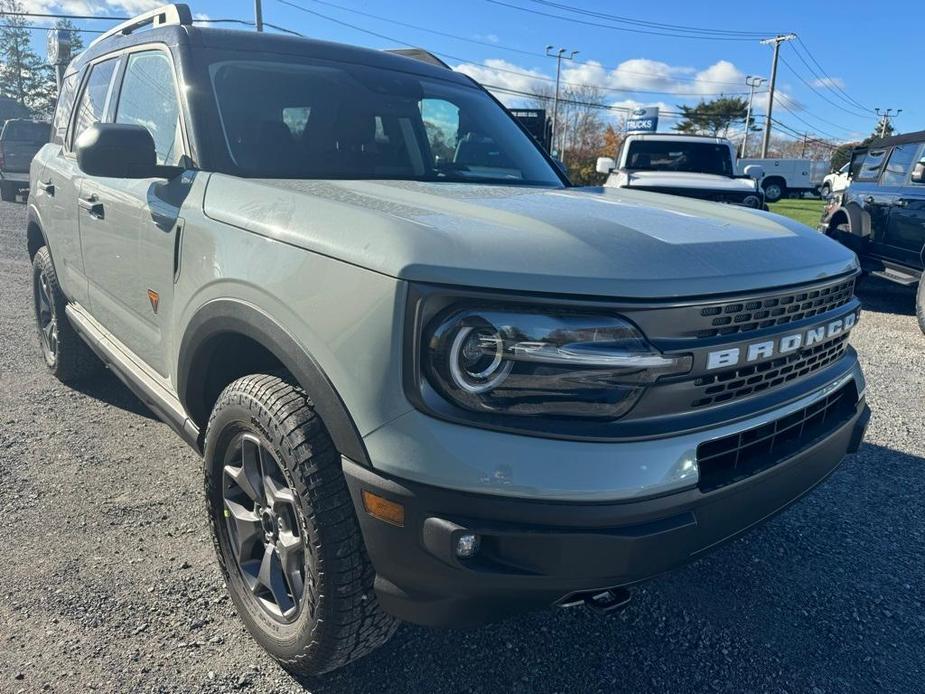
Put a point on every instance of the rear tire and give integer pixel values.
(305, 590)
(8, 192)
(774, 191)
(66, 355)
(920, 304)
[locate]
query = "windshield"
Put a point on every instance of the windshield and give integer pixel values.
(696, 157)
(290, 120)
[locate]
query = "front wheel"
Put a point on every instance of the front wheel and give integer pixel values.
(286, 534)
(66, 355)
(825, 191)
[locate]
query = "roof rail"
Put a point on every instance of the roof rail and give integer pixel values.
(165, 15)
(418, 54)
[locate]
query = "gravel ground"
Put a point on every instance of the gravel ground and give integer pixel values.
(110, 583)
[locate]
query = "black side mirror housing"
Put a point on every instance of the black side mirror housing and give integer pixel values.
(918, 173)
(119, 150)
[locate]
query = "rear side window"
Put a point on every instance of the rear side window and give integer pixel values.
(897, 168)
(92, 103)
(64, 108)
(873, 163)
(149, 98)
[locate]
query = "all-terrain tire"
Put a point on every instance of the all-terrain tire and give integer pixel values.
(339, 619)
(920, 304)
(67, 356)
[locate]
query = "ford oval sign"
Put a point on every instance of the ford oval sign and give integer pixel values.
(643, 120)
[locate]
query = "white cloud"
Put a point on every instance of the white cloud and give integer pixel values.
(633, 78)
(829, 82)
(92, 7)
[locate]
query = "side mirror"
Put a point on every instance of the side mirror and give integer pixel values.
(605, 165)
(918, 173)
(117, 150)
(754, 171)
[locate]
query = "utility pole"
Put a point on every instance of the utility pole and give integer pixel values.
(258, 14)
(885, 117)
(559, 56)
(803, 153)
(754, 83)
(776, 41)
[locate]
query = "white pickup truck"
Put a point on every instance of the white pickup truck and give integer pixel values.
(692, 166)
(784, 177)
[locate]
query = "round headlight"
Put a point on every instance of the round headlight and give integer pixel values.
(476, 361)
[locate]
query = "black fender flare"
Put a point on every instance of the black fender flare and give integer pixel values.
(858, 219)
(222, 316)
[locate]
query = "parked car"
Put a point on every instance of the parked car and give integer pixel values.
(692, 166)
(430, 380)
(881, 214)
(785, 177)
(19, 141)
(836, 181)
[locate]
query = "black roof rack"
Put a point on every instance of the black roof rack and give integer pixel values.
(175, 14)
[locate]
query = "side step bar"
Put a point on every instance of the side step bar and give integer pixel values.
(161, 401)
(896, 276)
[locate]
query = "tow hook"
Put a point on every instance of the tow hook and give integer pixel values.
(603, 602)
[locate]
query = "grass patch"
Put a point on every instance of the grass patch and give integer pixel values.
(807, 212)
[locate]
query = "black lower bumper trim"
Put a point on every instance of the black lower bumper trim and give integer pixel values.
(535, 554)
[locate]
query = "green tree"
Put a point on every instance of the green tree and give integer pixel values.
(715, 117)
(841, 155)
(24, 77)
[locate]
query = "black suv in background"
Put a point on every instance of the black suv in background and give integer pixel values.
(881, 214)
(20, 140)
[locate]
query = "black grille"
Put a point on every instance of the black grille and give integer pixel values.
(739, 456)
(748, 380)
(731, 318)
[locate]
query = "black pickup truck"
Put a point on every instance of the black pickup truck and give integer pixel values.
(20, 140)
(881, 214)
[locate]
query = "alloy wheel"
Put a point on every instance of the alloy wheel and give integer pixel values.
(45, 316)
(263, 528)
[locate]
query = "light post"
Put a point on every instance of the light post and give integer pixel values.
(754, 83)
(559, 56)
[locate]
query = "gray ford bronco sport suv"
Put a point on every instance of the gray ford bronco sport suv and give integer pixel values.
(430, 380)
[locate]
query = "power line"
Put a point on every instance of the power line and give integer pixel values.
(511, 49)
(613, 27)
(820, 94)
(645, 23)
(829, 80)
(518, 73)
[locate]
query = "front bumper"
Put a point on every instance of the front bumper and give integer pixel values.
(538, 553)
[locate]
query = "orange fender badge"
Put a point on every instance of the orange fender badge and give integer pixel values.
(153, 297)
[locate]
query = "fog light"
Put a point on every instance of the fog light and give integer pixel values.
(467, 545)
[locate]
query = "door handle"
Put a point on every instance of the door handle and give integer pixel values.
(869, 199)
(92, 205)
(47, 186)
(901, 202)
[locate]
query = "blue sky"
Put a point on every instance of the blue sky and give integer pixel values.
(843, 65)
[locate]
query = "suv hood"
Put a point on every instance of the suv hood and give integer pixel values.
(590, 241)
(684, 179)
